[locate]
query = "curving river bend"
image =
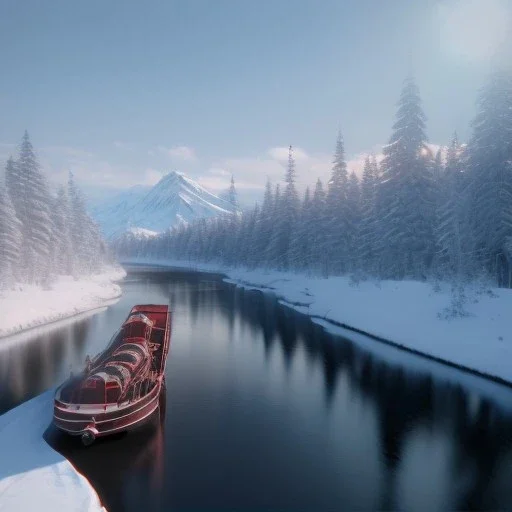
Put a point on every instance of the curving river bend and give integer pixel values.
(264, 410)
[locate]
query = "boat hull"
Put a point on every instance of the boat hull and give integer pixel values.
(120, 388)
(108, 420)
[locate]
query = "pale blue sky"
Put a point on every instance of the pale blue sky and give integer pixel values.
(122, 91)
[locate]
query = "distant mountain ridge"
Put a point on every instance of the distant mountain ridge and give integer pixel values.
(174, 199)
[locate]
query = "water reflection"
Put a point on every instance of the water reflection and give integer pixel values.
(131, 464)
(267, 410)
(32, 366)
(421, 422)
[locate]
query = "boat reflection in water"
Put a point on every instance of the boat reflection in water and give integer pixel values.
(132, 461)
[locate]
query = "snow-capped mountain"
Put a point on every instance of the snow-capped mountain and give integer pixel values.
(142, 233)
(174, 199)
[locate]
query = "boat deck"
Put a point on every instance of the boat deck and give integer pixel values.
(96, 419)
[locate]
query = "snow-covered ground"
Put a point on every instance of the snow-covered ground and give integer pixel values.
(30, 306)
(33, 476)
(403, 312)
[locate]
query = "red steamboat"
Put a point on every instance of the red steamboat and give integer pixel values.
(120, 387)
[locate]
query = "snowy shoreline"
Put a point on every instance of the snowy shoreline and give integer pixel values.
(30, 306)
(32, 474)
(30, 470)
(403, 314)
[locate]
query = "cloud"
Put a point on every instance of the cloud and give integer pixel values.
(251, 173)
(96, 174)
(66, 150)
(184, 153)
(356, 162)
(216, 171)
(152, 176)
(281, 154)
(122, 145)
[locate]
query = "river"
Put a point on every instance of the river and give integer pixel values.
(264, 410)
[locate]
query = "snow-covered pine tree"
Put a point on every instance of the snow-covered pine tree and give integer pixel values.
(453, 235)
(490, 154)
(35, 214)
(95, 249)
(317, 231)
(337, 229)
(290, 210)
(291, 197)
(10, 241)
(353, 221)
(287, 217)
(231, 249)
(248, 238)
(222, 235)
(448, 204)
(438, 169)
(406, 193)
(299, 252)
(77, 226)
(232, 194)
(264, 226)
(366, 241)
(15, 183)
(62, 257)
(438, 178)
(88, 248)
(274, 248)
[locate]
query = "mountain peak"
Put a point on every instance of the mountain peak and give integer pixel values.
(176, 198)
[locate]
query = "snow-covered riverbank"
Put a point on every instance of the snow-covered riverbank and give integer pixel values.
(33, 476)
(405, 313)
(30, 306)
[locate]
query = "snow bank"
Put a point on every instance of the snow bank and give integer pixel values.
(30, 306)
(32, 475)
(402, 312)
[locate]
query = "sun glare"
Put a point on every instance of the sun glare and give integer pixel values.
(475, 30)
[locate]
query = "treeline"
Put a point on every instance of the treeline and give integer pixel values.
(415, 215)
(43, 235)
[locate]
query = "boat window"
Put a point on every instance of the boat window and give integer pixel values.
(135, 330)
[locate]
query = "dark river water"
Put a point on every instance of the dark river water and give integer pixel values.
(264, 410)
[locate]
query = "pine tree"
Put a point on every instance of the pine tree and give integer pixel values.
(249, 242)
(367, 246)
(299, 252)
(406, 193)
(317, 231)
(338, 236)
(16, 188)
(353, 221)
(284, 216)
(289, 213)
(490, 154)
(10, 240)
(88, 248)
(447, 207)
(291, 197)
(454, 240)
(62, 256)
(232, 194)
(34, 213)
(264, 226)
(274, 248)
